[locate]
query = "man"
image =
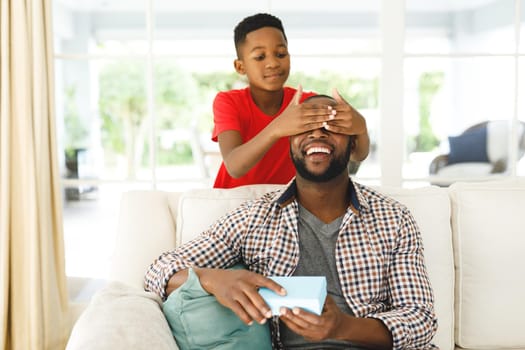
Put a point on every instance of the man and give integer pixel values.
(367, 245)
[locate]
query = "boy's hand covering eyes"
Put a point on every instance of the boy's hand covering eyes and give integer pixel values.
(301, 117)
(347, 119)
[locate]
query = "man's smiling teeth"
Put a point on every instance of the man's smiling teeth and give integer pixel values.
(317, 150)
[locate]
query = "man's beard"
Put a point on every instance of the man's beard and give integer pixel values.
(336, 167)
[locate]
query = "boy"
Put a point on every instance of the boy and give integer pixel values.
(252, 124)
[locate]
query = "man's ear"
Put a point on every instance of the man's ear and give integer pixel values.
(238, 64)
(353, 142)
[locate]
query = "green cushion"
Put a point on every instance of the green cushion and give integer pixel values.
(198, 321)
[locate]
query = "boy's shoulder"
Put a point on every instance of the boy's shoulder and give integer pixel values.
(234, 97)
(234, 93)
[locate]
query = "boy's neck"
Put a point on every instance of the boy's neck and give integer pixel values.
(269, 102)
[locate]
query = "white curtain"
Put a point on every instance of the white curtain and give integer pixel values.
(33, 292)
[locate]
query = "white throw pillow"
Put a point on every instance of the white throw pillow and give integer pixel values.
(489, 239)
(121, 317)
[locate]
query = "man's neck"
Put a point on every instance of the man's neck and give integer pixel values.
(326, 200)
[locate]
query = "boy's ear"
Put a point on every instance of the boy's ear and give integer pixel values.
(239, 66)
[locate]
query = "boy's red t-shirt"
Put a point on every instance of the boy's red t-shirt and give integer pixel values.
(235, 110)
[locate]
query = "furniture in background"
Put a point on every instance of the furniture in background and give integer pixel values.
(481, 150)
(79, 164)
(475, 262)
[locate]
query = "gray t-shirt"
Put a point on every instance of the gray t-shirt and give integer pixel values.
(317, 242)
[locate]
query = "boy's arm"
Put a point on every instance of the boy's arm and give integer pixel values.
(362, 147)
(239, 157)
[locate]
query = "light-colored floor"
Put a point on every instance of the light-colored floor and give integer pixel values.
(81, 290)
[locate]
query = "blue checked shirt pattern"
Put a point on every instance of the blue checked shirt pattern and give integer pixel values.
(379, 258)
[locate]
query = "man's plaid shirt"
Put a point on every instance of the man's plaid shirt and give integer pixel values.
(379, 257)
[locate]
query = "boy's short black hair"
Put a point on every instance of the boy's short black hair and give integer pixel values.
(254, 22)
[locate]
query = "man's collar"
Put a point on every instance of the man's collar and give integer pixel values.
(289, 194)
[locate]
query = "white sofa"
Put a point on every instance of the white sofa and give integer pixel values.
(474, 240)
(496, 149)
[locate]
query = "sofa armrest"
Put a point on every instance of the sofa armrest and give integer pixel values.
(438, 163)
(122, 317)
(146, 229)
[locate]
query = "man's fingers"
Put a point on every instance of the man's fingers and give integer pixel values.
(308, 318)
(291, 324)
(261, 281)
(257, 310)
(239, 310)
(252, 302)
(263, 311)
(294, 323)
(241, 301)
(301, 319)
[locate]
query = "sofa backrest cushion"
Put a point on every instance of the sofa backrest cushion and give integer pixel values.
(489, 239)
(199, 208)
(430, 207)
(146, 228)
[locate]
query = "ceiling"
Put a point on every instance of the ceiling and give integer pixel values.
(268, 5)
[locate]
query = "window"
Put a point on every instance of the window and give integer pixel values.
(460, 72)
(521, 82)
(135, 80)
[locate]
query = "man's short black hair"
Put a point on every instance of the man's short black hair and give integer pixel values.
(254, 22)
(313, 97)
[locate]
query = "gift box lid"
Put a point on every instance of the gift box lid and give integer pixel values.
(306, 292)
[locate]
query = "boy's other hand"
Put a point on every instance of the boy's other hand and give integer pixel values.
(347, 120)
(301, 117)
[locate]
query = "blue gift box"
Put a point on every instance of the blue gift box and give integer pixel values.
(306, 292)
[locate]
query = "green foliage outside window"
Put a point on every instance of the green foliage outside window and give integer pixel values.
(184, 100)
(122, 104)
(361, 93)
(429, 85)
(77, 132)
